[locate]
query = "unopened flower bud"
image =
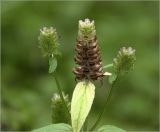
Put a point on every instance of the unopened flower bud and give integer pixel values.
(48, 41)
(59, 113)
(124, 61)
(86, 30)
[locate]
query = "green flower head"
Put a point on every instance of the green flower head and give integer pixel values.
(124, 61)
(86, 30)
(48, 41)
(59, 113)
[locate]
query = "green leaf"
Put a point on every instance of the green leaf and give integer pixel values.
(52, 64)
(81, 103)
(61, 127)
(110, 128)
(112, 78)
(59, 112)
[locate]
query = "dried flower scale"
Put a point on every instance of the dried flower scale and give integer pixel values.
(87, 53)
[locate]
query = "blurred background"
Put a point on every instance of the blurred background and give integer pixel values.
(27, 87)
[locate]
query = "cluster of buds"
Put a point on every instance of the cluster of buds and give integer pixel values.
(124, 61)
(86, 30)
(87, 53)
(59, 113)
(48, 41)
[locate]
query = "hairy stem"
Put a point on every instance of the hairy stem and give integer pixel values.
(60, 93)
(109, 94)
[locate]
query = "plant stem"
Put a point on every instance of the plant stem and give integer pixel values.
(107, 66)
(106, 103)
(60, 93)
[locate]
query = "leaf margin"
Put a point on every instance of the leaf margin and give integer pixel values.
(110, 128)
(54, 128)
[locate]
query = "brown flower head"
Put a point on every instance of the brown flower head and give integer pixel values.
(87, 53)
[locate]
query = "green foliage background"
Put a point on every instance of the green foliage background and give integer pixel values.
(27, 87)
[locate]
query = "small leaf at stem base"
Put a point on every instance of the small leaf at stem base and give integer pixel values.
(52, 64)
